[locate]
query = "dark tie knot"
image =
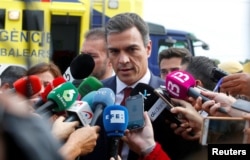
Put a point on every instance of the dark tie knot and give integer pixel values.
(126, 94)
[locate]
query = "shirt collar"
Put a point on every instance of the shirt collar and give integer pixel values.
(121, 85)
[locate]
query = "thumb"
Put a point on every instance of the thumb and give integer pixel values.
(61, 118)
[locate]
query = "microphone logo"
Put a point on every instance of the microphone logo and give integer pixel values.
(180, 76)
(116, 116)
(88, 115)
(178, 82)
(68, 95)
(145, 94)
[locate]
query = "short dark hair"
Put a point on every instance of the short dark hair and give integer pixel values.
(173, 52)
(96, 33)
(124, 21)
(201, 68)
(11, 74)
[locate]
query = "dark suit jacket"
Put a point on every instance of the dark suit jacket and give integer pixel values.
(176, 147)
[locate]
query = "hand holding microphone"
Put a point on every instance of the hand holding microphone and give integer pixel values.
(141, 140)
(81, 142)
(180, 84)
(62, 130)
(191, 120)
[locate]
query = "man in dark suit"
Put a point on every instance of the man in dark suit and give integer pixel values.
(129, 48)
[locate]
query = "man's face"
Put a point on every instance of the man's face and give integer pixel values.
(128, 55)
(169, 65)
(96, 49)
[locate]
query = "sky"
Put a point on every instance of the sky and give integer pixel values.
(223, 24)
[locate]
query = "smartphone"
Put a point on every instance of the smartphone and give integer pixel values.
(160, 93)
(224, 130)
(135, 106)
(169, 115)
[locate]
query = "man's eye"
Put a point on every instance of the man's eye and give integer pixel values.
(132, 49)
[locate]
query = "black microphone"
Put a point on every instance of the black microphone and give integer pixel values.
(80, 68)
(156, 107)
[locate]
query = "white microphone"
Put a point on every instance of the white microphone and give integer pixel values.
(80, 111)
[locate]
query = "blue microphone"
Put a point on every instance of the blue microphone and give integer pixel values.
(103, 97)
(89, 98)
(115, 122)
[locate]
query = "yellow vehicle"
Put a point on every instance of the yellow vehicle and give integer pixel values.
(33, 31)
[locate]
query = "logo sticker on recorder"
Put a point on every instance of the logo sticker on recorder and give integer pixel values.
(178, 83)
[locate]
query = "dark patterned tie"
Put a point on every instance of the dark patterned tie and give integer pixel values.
(126, 94)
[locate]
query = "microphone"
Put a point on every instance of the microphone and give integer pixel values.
(180, 84)
(115, 122)
(89, 84)
(27, 86)
(80, 111)
(86, 114)
(89, 98)
(56, 82)
(60, 98)
(80, 68)
(154, 104)
(103, 97)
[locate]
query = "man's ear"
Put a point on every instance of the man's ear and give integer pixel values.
(198, 83)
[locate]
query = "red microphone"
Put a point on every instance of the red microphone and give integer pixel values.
(28, 86)
(56, 82)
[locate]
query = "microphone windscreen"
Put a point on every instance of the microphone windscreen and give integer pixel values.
(63, 95)
(89, 84)
(148, 93)
(115, 120)
(104, 96)
(89, 98)
(56, 82)
(178, 83)
(28, 86)
(82, 66)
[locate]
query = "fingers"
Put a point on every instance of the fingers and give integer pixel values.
(179, 101)
(207, 105)
(61, 118)
(177, 110)
(210, 95)
(97, 128)
(147, 119)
